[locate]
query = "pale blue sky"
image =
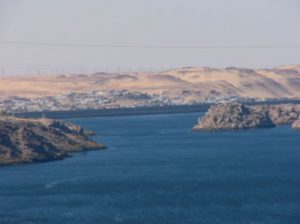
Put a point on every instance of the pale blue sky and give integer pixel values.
(176, 23)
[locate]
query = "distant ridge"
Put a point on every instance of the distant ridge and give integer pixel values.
(182, 86)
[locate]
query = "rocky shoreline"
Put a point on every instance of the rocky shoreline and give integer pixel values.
(236, 116)
(41, 140)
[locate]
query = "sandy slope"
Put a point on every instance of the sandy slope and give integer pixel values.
(279, 82)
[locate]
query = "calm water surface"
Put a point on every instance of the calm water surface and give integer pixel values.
(156, 171)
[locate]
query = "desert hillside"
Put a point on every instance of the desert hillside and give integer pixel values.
(279, 82)
(179, 86)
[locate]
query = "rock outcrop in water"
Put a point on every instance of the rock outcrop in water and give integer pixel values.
(233, 116)
(39, 140)
(281, 113)
(296, 124)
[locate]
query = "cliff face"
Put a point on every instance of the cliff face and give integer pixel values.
(38, 140)
(233, 116)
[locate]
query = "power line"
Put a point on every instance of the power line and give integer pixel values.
(52, 44)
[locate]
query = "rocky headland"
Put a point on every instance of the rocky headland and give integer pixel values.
(235, 116)
(40, 140)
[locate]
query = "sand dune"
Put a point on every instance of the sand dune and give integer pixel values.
(279, 82)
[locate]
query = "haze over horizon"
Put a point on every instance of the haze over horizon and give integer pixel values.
(99, 35)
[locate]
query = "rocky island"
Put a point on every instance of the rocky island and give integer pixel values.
(235, 116)
(280, 113)
(40, 140)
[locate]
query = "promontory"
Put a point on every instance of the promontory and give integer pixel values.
(40, 140)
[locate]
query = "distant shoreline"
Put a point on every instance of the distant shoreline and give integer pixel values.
(135, 111)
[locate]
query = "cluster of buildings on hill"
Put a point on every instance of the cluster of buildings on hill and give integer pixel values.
(101, 100)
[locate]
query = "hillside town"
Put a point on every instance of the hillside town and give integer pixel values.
(111, 99)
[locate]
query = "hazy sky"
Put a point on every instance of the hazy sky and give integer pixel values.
(171, 27)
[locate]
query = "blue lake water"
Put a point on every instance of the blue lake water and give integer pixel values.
(157, 171)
